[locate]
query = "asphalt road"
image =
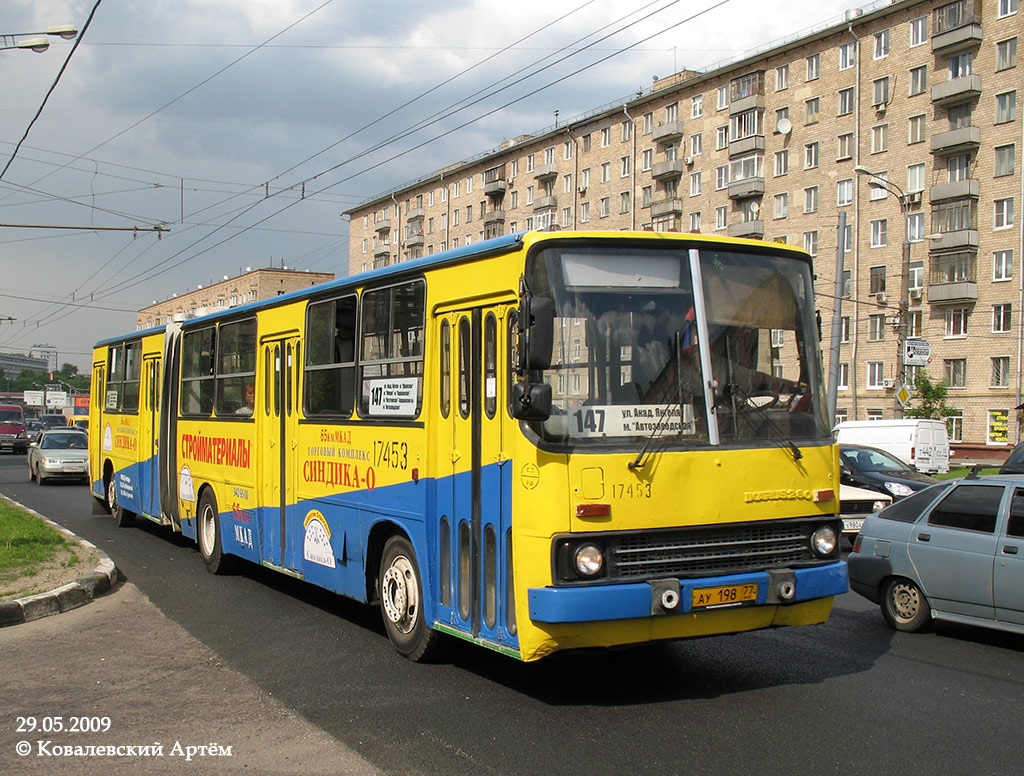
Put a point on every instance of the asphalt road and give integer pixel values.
(847, 697)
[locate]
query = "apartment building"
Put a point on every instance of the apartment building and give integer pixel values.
(919, 98)
(252, 285)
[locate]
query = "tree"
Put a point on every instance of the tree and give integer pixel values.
(929, 399)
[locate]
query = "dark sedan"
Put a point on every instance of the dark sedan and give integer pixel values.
(953, 552)
(877, 470)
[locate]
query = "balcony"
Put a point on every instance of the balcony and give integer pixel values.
(955, 190)
(952, 293)
(673, 168)
(666, 207)
(959, 239)
(542, 203)
(751, 187)
(956, 27)
(494, 216)
(746, 93)
(543, 172)
(746, 145)
(963, 89)
(669, 132)
(495, 188)
(383, 225)
(414, 214)
(956, 141)
(414, 239)
(751, 229)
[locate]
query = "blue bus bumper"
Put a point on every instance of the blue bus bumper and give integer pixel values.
(644, 599)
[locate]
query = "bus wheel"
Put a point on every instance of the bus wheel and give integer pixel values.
(122, 517)
(210, 547)
(401, 601)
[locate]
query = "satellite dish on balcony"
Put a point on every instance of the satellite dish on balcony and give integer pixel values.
(785, 126)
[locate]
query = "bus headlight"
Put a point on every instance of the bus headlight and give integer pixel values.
(588, 560)
(824, 541)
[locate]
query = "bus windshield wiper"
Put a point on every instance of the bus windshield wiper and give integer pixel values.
(780, 435)
(677, 383)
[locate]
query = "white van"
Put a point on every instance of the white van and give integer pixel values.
(922, 444)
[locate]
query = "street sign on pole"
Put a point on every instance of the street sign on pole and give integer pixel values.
(34, 398)
(903, 395)
(916, 352)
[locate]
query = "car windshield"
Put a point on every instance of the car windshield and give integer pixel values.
(64, 442)
(629, 357)
(10, 416)
(864, 460)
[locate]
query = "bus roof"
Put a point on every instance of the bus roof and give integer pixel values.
(495, 245)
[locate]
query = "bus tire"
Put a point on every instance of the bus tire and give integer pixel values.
(401, 602)
(123, 518)
(208, 533)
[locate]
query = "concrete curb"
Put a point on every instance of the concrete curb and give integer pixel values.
(67, 597)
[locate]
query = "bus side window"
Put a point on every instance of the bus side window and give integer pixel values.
(330, 370)
(446, 368)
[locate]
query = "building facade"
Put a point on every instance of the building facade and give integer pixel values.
(900, 119)
(251, 286)
(13, 364)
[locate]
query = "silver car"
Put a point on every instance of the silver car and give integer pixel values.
(953, 551)
(59, 453)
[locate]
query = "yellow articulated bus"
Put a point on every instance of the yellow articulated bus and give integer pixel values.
(539, 442)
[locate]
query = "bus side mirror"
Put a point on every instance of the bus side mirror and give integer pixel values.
(531, 401)
(536, 333)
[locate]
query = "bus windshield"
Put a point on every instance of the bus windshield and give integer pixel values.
(637, 357)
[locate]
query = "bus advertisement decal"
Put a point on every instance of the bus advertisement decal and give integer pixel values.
(317, 545)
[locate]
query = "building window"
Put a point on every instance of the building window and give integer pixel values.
(916, 133)
(721, 137)
(696, 144)
(845, 147)
(695, 222)
(627, 131)
(721, 217)
(874, 415)
(1000, 372)
(1003, 213)
(606, 137)
(880, 139)
(878, 192)
(915, 227)
(844, 192)
(584, 212)
(918, 31)
(624, 167)
(811, 199)
(956, 322)
(915, 177)
(877, 280)
(876, 375)
(844, 377)
(811, 242)
(955, 426)
(695, 180)
(1005, 161)
(881, 44)
(812, 111)
(918, 80)
(813, 67)
(956, 372)
(847, 55)
(647, 194)
(876, 328)
(847, 284)
(845, 101)
(781, 162)
(780, 114)
(1006, 107)
(1002, 265)
(844, 324)
(810, 156)
(998, 427)
(697, 106)
(914, 325)
(879, 233)
(721, 177)
(606, 172)
(1007, 8)
(781, 77)
(1000, 318)
(1006, 54)
(647, 159)
(781, 205)
(723, 97)
(606, 207)
(916, 275)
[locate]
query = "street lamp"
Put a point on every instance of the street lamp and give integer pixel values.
(880, 182)
(20, 40)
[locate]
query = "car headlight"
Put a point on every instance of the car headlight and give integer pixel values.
(898, 488)
(824, 541)
(878, 506)
(588, 560)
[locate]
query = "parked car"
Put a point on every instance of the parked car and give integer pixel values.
(920, 443)
(953, 551)
(874, 469)
(13, 436)
(59, 453)
(1015, 462)
(855, 504)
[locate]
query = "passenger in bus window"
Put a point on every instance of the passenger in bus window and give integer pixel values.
(250, 400)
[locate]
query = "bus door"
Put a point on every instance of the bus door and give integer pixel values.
(277, 438)
(474, 493)
(149, 435)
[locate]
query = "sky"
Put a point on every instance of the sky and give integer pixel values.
(243, 129)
